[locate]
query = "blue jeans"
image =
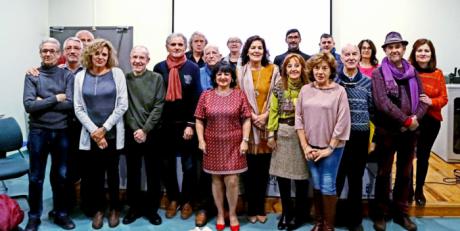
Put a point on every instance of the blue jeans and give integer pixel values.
(41, 142)
(324, 172)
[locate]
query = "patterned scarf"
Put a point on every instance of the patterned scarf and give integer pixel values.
(390, 73)
(174, 85)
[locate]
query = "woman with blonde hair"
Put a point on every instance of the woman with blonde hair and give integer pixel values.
(100, 100)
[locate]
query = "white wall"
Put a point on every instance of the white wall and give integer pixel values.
(24, 24)
(151, 19)
(354, 20)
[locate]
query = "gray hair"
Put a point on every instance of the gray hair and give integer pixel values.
(72, 39)
(195, 34)
(50, 40)
(210, 46)
(174, 35)
(84, 32)
(143, 48)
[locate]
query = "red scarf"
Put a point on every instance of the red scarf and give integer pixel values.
(174, 85)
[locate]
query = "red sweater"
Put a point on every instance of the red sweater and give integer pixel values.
(434, 86)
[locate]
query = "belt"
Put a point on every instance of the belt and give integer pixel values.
(288, 121)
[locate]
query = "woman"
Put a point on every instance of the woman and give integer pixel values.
(368, 61)
(101, 99)
(322, 122)
(257, 78)
(234, 45)
(423, 58)
(288, 162)
(223, 125)
(182, 81)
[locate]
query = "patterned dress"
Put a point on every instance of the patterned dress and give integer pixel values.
(223, 117)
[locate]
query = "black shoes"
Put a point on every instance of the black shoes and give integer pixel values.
(64, 222)
(131, 217)
(380, 224)
(356, 228)
(420, 199)
(405, 222)
(154, 218)
(32, 225)
(282, 224)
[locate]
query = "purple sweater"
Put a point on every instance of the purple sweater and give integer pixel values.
(393, 110)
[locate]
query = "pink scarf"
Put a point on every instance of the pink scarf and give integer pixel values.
(174, 90)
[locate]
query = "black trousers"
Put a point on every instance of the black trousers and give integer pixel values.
(299, 210)
(171, 144)
(255, 182)
(352, 167)
(429, 129)
(98, 164)
(147, 202)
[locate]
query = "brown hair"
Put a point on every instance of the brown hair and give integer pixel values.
(431, 64)
(316, 60)
(93, 47)
(284, 74)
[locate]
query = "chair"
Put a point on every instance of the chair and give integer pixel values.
(12, 166)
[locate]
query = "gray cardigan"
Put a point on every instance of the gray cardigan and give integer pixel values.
(115, 119)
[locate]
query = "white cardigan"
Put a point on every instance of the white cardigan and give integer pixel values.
(116, 118)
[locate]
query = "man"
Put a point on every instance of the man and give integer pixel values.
(353, 163)
(197, 43)
(327, 45)
(293, 40)
(48, 100)
(146, 98)
(85, 37)
(396, 89)
(182, 81)
(211, 57)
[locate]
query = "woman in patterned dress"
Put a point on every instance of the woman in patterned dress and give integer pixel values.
(288, 162)
(223, 123)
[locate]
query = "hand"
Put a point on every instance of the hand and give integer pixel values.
(102, 144)
(140, 136)
(188, 133)
(371, 147)
(262, 119)
(243, 147)
(99, 134)
(425, 99)
(271, 143)
(61, 97)
(33, 71)
(322, 153)
(202, 146)
(309, 152)
(39, 98)
(414, 125)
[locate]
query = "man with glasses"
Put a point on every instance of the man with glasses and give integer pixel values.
(293, 40)
(48, 100)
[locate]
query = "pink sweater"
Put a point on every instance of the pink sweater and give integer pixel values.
(323, 114)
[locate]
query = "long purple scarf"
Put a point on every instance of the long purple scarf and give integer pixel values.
(390, 73)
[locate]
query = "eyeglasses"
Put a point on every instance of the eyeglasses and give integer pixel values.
(46, 51)
(233, 41)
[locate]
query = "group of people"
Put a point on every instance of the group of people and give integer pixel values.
(302, 118)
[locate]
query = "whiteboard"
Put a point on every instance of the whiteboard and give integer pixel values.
(219, 19)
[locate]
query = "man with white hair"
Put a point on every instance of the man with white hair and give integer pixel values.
(146, 93)
(48, 100)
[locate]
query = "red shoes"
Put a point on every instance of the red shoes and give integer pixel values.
(220, 227)
(235, 227)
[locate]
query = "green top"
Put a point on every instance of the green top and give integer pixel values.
(146, 95)
(282, 106)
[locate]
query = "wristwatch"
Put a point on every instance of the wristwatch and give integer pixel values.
(246, 139)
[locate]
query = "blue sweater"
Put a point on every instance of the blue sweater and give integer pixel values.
(47, 112)
(359, 92)
(182, 110)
